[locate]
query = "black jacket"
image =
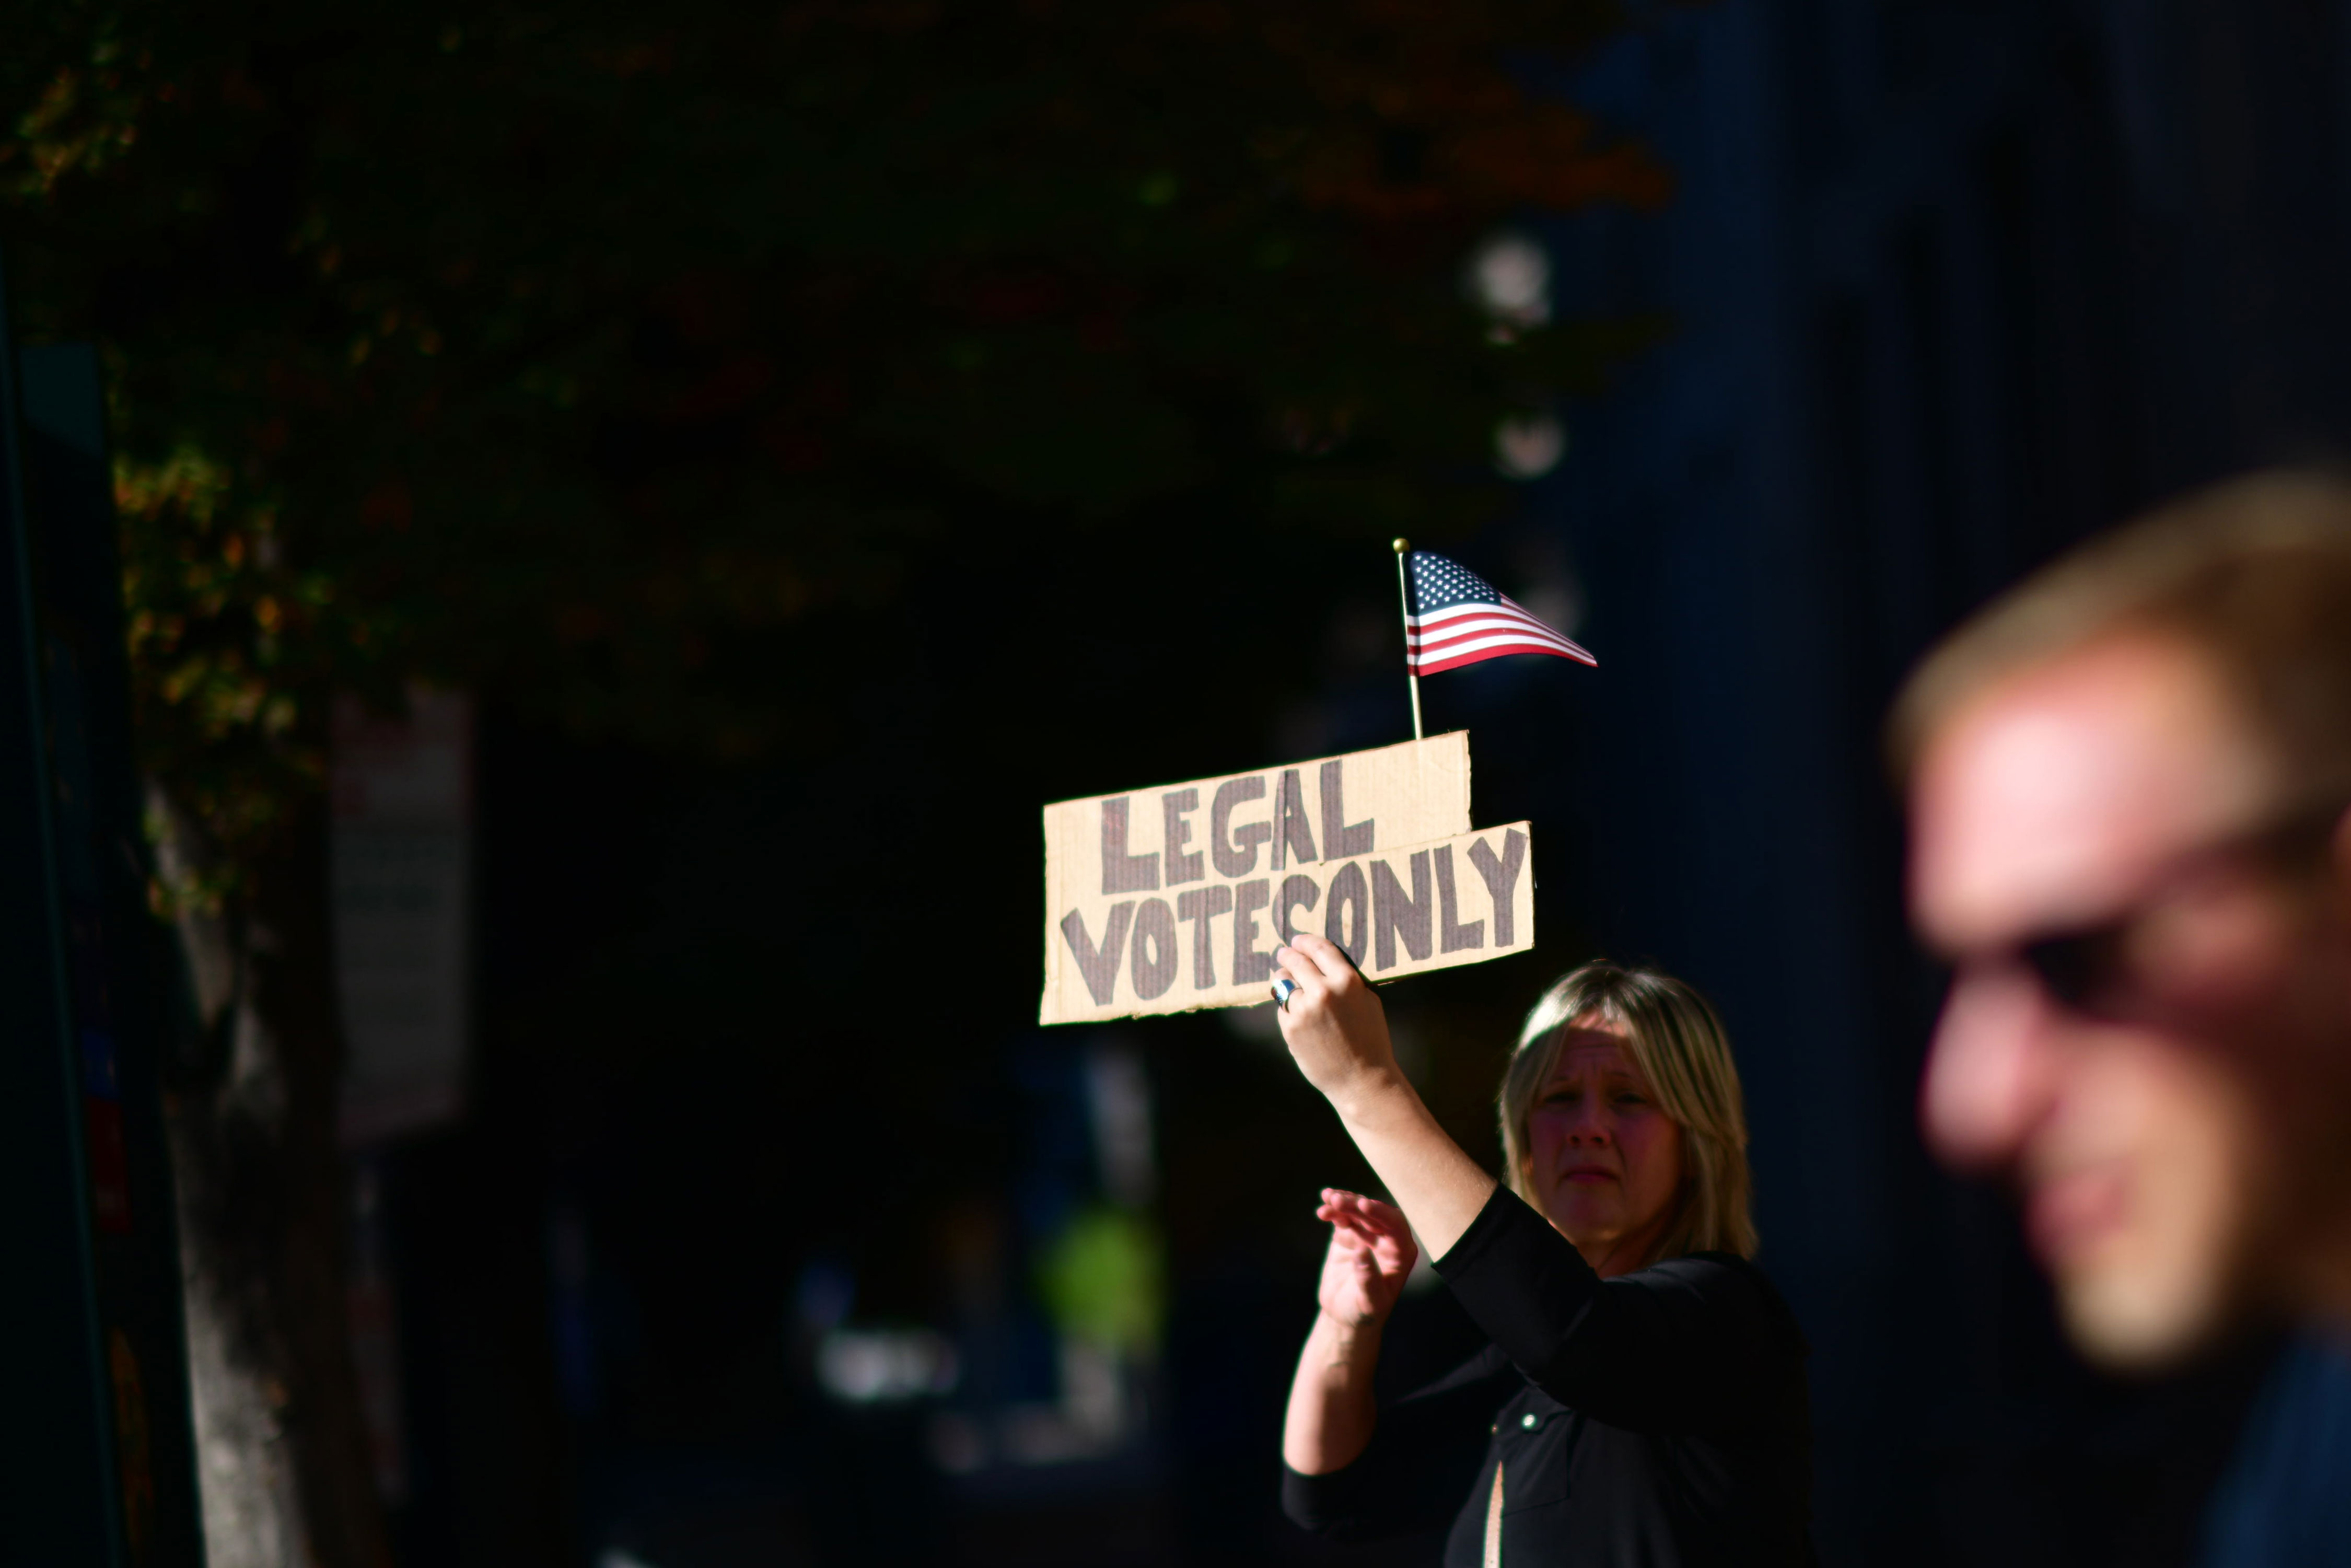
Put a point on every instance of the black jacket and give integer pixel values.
(1656, 1418)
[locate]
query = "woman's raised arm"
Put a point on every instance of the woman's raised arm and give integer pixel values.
(1338, 1035)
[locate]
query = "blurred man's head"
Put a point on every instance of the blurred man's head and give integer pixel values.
(2127, 783)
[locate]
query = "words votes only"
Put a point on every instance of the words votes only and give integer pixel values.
(1164, 900)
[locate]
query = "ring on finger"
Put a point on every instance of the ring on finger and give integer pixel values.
(1284, 989)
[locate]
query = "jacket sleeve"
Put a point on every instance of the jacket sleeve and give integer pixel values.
(1697, 1344)
(1424, 1455)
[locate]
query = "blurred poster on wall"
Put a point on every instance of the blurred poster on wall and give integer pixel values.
(402, 867)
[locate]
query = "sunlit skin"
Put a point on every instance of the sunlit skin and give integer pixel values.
(2186, 1160)
(1338, 1035)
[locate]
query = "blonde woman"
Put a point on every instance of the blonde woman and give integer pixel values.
(1643, 1400)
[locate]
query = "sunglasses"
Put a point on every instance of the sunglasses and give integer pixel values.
(2095, 970)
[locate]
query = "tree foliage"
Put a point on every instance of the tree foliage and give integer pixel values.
(569, 350)
(626, 363)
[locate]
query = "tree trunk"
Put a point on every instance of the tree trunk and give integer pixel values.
(282, 1446)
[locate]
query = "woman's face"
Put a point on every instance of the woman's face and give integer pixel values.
(1605, 1163)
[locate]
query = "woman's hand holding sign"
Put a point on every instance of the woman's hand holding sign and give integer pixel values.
(1336, 1029)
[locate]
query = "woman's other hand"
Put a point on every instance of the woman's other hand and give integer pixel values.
(1371, 1256)
(1336, 1029)
(1331, 1411)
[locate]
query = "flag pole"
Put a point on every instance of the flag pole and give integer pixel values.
(1405, 595)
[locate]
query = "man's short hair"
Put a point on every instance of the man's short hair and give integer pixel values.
(2253, 575)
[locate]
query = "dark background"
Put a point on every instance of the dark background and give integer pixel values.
(1951, 285)
(1944, 287)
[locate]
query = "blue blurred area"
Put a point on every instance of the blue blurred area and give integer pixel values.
(1949, 287)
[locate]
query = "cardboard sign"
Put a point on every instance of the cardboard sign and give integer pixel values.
(1164, 900)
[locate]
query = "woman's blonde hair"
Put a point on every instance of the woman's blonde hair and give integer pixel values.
(1678, 1044)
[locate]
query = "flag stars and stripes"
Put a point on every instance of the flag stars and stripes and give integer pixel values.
(1457, 618)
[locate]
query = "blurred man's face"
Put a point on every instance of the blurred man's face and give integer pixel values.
(2146, 1026)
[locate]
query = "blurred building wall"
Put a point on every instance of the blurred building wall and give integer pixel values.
(1950, 285)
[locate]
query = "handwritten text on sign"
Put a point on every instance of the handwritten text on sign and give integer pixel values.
(1174, 898)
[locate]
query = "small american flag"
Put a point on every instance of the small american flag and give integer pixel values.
(1457, 618)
